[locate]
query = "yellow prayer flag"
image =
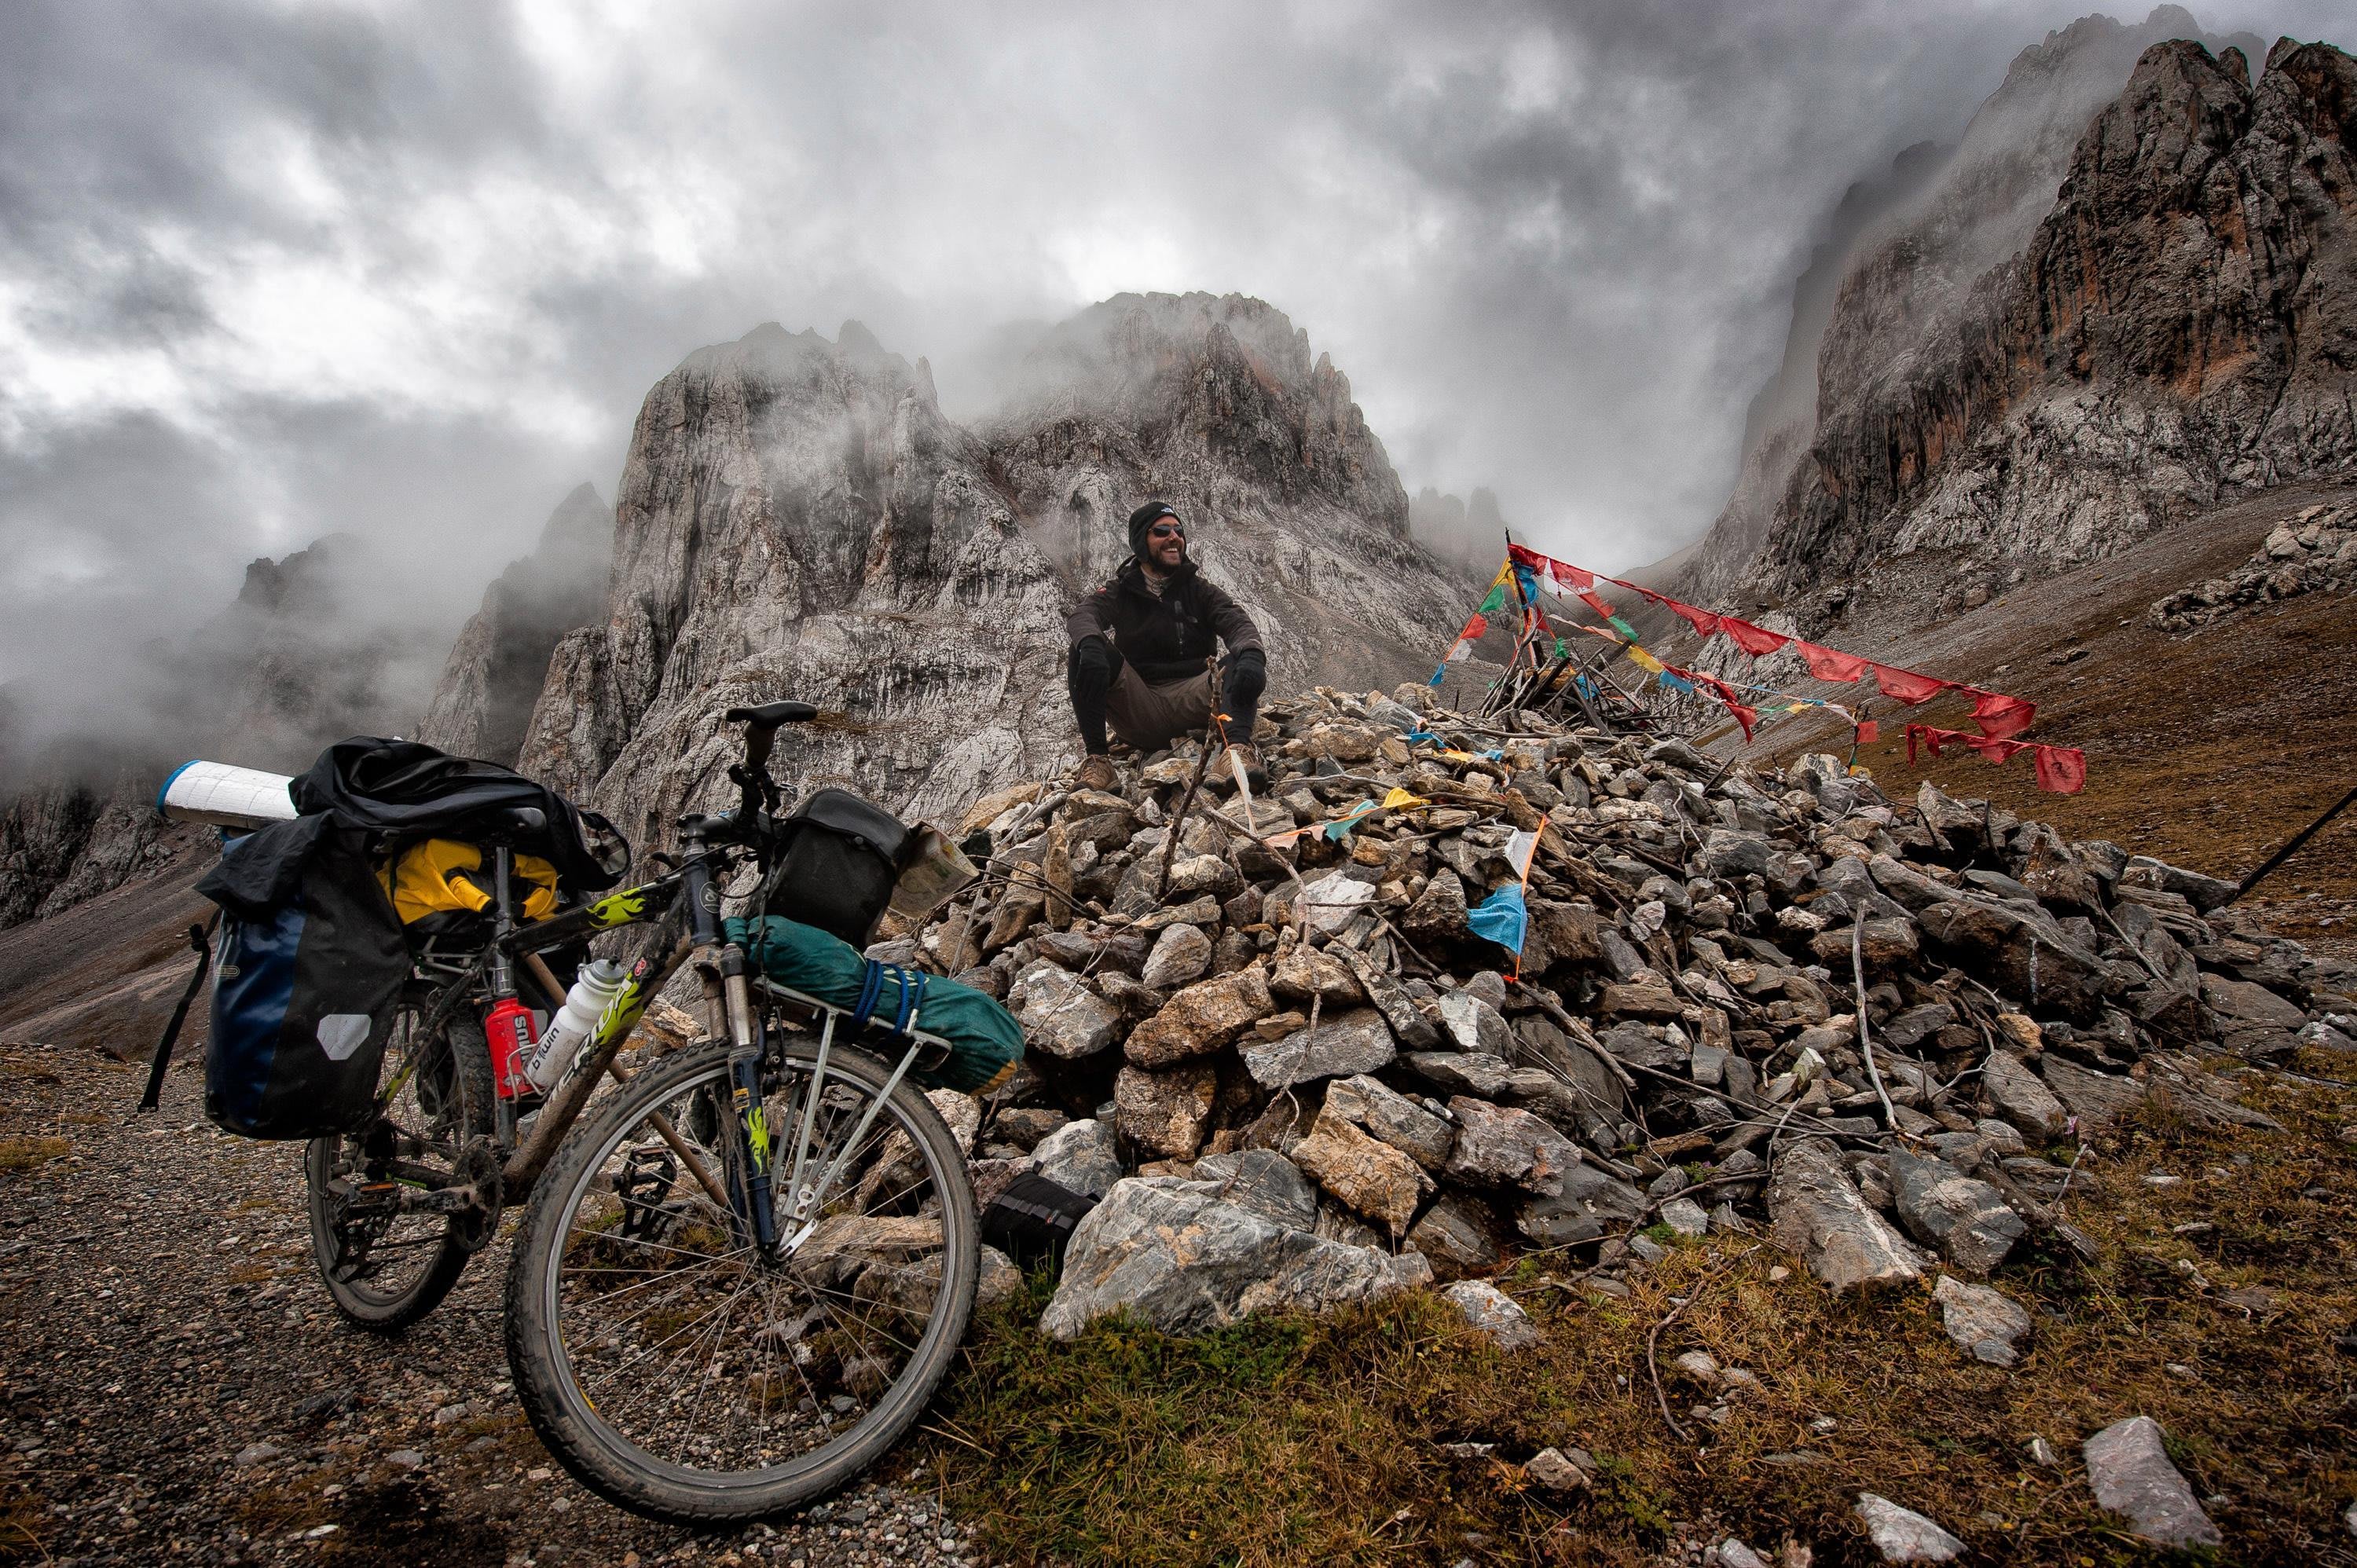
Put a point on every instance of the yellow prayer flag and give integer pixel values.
(1400, 800)
(1644, 660)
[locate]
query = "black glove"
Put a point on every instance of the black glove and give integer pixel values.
(1093, 663)
(1247, 673)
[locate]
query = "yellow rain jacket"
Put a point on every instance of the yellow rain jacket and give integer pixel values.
(444, 875)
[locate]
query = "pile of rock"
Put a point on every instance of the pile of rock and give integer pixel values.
(2314, 553)
(1296, 1077)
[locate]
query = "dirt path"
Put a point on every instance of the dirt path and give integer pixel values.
(174, 1384)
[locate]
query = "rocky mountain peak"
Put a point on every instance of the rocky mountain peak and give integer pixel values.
(1468, 532)
(483, 704)
(306, 651)
(2039, 363)
(797, 517)
(1209, 400)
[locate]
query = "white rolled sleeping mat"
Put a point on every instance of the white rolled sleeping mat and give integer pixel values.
(225, 796)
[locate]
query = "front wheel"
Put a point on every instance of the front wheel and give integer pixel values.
(679, 1369)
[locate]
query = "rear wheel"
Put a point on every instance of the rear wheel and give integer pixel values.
(680, 1371)
(384, 1267)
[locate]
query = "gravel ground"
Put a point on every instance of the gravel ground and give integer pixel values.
(174, 1383)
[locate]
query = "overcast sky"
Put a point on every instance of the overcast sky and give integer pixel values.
(269, 271)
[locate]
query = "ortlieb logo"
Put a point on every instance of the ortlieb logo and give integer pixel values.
(341, 1034)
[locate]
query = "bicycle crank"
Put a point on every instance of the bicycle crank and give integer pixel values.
(476, 1173)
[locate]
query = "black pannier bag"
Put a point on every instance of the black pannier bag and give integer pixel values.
(842, 856)
(311, 952)
(1033, 1220)
(307, 982)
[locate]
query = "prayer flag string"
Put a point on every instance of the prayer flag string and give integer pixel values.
(1999, 716)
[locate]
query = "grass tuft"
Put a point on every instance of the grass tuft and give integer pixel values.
(30, 1154)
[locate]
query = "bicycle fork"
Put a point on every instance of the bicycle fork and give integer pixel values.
(755, 1159)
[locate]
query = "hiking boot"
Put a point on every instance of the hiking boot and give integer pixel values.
(1255, 776)
(1096, 773)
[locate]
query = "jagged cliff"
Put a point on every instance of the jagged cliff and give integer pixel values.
(2053, 352)
(482, 705)
(797, 517)
(1468, 534)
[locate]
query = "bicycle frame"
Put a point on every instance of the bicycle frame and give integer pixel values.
(732, 1015)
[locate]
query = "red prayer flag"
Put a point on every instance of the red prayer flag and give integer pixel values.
(2062, 769)
(1599, 605)
(1906, 686)
(1753, 640)
(1703, 621)
(1826, 664)
(2000, 715)
(1745, 717)
(1868, 732)
(1994, 749)
(1474, 628)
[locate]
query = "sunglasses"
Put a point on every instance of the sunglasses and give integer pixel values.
(1167, 529)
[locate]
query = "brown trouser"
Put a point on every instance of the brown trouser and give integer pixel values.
(1151, 717)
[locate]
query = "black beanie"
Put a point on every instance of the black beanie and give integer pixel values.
(1143, 519)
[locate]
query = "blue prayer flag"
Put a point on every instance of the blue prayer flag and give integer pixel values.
(1502, 917)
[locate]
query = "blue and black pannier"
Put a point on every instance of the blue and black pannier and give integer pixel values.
(308, 967)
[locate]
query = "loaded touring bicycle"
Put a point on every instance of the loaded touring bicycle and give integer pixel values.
(744, 1264)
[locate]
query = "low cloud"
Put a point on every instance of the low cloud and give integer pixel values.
(267, 272)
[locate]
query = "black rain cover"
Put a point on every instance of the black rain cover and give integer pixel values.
(407, 787)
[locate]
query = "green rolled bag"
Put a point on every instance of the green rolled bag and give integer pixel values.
(985, 1042)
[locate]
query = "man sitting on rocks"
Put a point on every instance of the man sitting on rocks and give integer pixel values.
(1140, 647)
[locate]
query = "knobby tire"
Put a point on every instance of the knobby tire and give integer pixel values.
(611, 1464)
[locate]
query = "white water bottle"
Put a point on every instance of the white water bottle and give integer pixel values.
(593, 989)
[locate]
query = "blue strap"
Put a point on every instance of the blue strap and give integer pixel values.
(912, 992)
(910, 995)
(871, 987)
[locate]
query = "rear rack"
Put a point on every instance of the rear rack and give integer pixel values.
(806, 1191)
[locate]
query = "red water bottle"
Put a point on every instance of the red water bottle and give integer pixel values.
(509, 1032)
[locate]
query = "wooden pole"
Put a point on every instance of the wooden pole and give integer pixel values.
(1187, 802)
(2291, 848)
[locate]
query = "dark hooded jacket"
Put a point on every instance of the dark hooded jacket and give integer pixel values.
(1165, 638)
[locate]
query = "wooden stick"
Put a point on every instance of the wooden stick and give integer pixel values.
(2298, 839)
(1864, 1039)
(1672, 1316)
(1186, 803)
(1991, 1169)
(1578, 1032)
